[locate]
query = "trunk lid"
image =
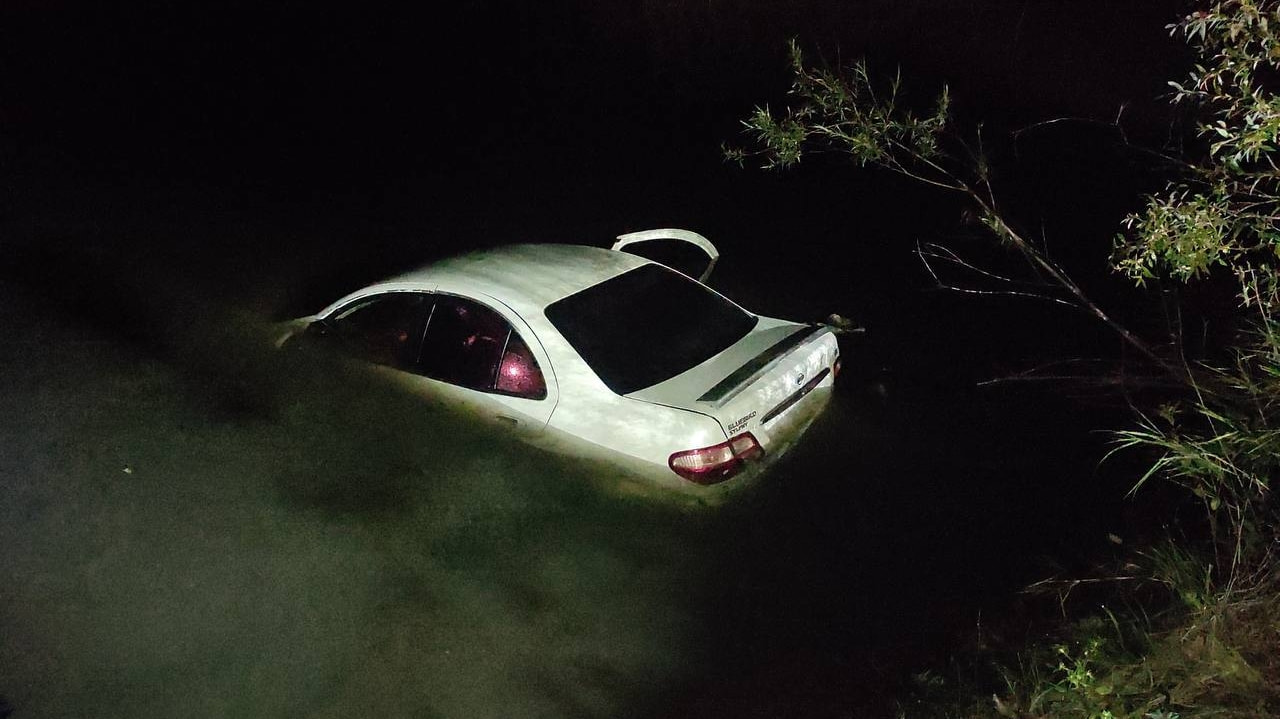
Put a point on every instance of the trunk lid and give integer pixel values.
(764, 383)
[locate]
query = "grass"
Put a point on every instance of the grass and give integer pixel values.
(1175, 646)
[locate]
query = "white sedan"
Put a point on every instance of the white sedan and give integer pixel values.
(597, 353)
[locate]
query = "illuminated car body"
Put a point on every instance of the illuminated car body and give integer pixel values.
(597, 353)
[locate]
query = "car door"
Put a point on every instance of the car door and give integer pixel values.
(489, 362)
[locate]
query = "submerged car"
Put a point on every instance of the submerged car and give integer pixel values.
(598, 353)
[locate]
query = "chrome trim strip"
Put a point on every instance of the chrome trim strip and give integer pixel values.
(790, 402)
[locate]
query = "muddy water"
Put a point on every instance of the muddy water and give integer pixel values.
(165, 556)
(185, 536)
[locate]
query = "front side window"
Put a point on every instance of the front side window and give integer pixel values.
(470, 345)
(384, 329)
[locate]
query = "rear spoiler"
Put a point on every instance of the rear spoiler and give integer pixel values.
(740, 378)
(688, 236)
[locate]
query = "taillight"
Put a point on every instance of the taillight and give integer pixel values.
(835, 369)
(716, 463)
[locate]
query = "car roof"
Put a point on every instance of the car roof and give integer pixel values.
(525, 277)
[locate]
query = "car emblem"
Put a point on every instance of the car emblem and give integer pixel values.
(799, 379)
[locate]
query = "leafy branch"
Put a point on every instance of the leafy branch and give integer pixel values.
(845, 113)
(1219, 217)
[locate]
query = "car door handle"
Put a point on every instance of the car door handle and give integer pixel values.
(508, 421)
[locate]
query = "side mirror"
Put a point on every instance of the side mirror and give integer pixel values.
(288, 333)
(842, 325)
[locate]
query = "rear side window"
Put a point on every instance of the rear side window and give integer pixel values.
(647, 325)
(385, 329)
(470, 345)
(518, 373)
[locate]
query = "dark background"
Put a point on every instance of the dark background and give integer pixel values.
(164, 162)
(340, 143)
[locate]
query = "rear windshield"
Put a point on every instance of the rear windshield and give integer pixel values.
(647, 325)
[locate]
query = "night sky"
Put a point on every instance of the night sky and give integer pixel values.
(169, 165)
(347, 97)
